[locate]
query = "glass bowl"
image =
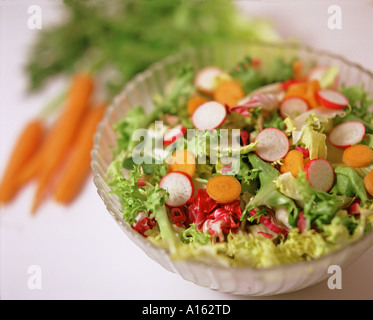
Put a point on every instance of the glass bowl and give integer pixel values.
(234, 280)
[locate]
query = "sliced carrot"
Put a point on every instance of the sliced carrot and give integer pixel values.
(229, 93)
(223, 188)
(297, 90)
(78, 167)
(293, 162)
(311, 94)
(298, 70)
(368, 182)
(63, 135)
(195, 102)
(358, 155)
(26, 146)
(183, 161)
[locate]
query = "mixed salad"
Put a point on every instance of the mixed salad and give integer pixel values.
(264, 164)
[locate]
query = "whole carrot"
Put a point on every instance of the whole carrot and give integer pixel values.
(78, 166)
(62, 135)
(30, 169)
(26, 146)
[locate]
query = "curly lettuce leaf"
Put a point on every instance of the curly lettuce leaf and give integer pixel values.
(136, 118)
(175, 100)
(359, 107)
(320, 207)
(192, 235)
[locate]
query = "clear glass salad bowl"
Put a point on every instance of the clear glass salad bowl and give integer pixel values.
(236, 280)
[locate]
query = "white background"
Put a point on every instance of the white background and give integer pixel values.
(82, 253)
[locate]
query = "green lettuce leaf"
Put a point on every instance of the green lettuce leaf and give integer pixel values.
(349, 183)
(359, 108)
(268, 194)
(192, 235)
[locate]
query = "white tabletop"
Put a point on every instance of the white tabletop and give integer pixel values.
(80, 251)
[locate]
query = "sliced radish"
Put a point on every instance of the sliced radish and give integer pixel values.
(273, 144)
(209, 116)
(293, 106)
(302, 222)
(316, 73)
(320, 174)
(347, 134)
(306, 152)
(270, 222)
(332, 99)
(205, 79)
(179, 186)
(173, 134)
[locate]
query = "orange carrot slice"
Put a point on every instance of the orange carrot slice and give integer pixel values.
(311, 94)
(368, 182)
(358, 155)
(229, 92)
(297, 90)
(183, 161)
(195, 102)
(223, 188)
(78, 167)
(293, 162)
(26, 146)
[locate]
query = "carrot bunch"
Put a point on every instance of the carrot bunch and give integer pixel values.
(56, 158)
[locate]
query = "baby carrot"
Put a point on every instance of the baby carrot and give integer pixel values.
(195, 102)
(26, 146)
(358, 155)
(229, 92)
(293, 162)
(183, 161)
(63, 135)
(78, 166)
(223, 188)
(368, 182)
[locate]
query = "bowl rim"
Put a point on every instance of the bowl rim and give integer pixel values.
(368, 237)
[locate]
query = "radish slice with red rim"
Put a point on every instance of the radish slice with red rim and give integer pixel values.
(209, 116)
(332, 99)
(347, 134)
(173, 134)
(273, 144)
(205, 78)
(320, 174)
(179, 186)
(293, 106)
